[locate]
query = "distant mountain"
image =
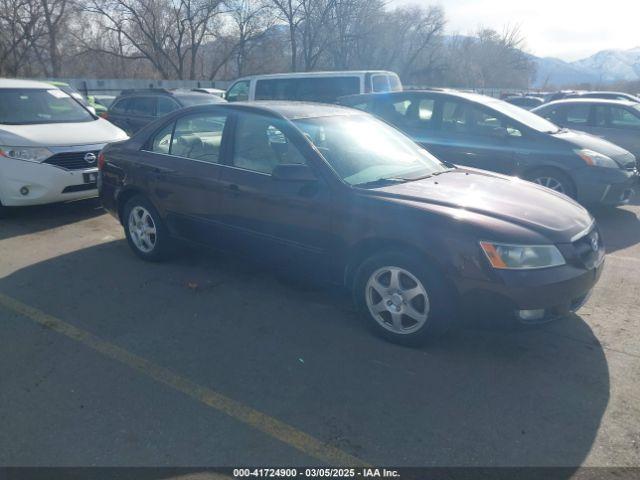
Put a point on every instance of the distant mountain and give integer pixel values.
(603, 67)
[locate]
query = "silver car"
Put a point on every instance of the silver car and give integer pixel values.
(617, 121)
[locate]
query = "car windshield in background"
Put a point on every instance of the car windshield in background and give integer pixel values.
(203, 99)
(33, 106)
(525, 117)
(363, 150)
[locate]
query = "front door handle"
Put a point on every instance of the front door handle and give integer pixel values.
(233, 187)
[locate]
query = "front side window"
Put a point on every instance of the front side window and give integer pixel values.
(165, 106)
(623, 118)
(409, 112)
(380, 83)
(121, 106)
(260, 144)
(361, 149)
(142, 107)
(34, 106)
(239, 92)
(465, 118)
(578, 115)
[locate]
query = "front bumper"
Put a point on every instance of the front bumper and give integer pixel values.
(555, 291)
(605, 186)
(43, 183)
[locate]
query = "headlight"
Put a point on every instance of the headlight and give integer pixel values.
(28, 154)
(521, 257)
(595, 159)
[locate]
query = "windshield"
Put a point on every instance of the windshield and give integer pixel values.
(362, 149)
(525, 117)
(32, 106)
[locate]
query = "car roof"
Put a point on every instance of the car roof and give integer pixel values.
(474, 97)
(289, 110)
(19, 83)
(597, 101)
(297, 110)
(328, 73)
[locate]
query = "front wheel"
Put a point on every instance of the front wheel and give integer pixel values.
(553, 179)
(401, 298)
(145, 231)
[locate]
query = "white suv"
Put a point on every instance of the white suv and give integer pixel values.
(49, 145)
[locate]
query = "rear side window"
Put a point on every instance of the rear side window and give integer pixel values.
(196, 136)
(315, 89)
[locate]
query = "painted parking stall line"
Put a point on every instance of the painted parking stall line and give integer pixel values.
(273, 427)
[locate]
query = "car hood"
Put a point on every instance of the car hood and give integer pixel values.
(60, 134)
(505, 199)
(582, 140)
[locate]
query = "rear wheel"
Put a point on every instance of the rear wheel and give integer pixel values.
(553, 179)
(401, 298)
(145, 231)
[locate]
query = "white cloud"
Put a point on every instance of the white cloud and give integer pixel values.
(568, 29)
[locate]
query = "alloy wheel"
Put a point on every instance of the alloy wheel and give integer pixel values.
(397, 300)
(142, 229)
(550, 182)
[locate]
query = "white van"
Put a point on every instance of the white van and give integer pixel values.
(49, 145)
(323, 87)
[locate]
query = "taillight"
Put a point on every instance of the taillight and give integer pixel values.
(101, 161)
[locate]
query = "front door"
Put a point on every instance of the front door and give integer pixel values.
(279, 221)
(471, 135)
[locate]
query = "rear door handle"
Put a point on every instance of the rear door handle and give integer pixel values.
(161, 170)
(233, 187)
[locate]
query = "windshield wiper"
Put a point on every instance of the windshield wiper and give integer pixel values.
(429, 175)
(382, 181)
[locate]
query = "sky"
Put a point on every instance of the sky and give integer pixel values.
(566, 29)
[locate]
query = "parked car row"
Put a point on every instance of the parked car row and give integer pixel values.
(423, 212)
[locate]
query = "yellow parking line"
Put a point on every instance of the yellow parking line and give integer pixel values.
(247, 415)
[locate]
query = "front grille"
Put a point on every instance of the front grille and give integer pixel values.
(72, 160)
(584, 247)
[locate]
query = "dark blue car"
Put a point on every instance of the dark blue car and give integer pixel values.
(483, 132)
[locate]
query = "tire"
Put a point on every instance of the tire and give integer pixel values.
(554, 179)
(146, 233)
(417, 309)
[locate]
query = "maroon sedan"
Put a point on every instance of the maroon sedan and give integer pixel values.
(334, 192)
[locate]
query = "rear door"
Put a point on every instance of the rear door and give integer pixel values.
(618, 124)
(183, 160)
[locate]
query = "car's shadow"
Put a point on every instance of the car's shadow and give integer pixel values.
(27, 220)
(620, 227)
(474, 397)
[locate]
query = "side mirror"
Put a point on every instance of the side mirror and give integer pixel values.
(293, 173)
(500, 132)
